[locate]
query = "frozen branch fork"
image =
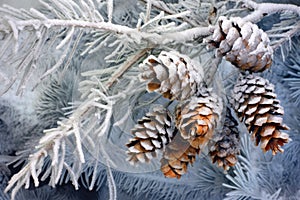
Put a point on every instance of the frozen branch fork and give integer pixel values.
(182, 36)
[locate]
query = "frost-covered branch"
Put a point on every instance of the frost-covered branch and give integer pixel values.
(74, 21)
(155, 38)
(68, 136)
(263, 9)
(109, 93)
(64, 149)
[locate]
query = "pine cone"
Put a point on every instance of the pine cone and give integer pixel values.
(178, 154)
(255, 103)
(173, 75)
(197, 117)
(152, 132)
(243, 44)
(226, 147)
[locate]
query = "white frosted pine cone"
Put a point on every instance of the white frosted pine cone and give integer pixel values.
(243, 44)
(151, 134)
(172, 74)
(197, 117)
(257, 106)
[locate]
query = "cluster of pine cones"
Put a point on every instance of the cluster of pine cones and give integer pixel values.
(195, 123)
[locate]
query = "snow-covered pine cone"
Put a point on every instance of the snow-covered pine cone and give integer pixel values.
(152, 133)
(197, 117)
(243, 44)
(256, 104)
(172, 74)
(227, 143)
(178, 154)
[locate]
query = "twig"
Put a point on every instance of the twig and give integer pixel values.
(263, 9)
(126, 66)
(163, 38)
(214, 63)
(110, 7)
(111, 183)
(148, 10)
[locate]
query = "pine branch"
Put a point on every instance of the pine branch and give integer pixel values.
(182, 36)
(68, 148)
(244, 183)
(53, 144)
(70, 16)
(69, 20)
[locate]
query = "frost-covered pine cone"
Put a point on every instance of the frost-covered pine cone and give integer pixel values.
(227, 143)
(243, 44)
(172, 74)
(152, 133)
(255, 103)
(178, 154)
(197, 117)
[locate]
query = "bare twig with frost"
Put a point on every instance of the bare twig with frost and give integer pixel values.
(126, 66)
(182, 36)
(263, 9)
(110, 8)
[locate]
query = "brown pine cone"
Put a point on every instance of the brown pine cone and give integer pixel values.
(227, 143)
(256, 104)
(178, 154)
(152, 133)
(173, 75)
(197, 117)
(243, 44)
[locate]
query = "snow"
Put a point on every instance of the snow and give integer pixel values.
(147, 145)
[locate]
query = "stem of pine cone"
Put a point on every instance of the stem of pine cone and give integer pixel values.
(214, 63)
(126, 66)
